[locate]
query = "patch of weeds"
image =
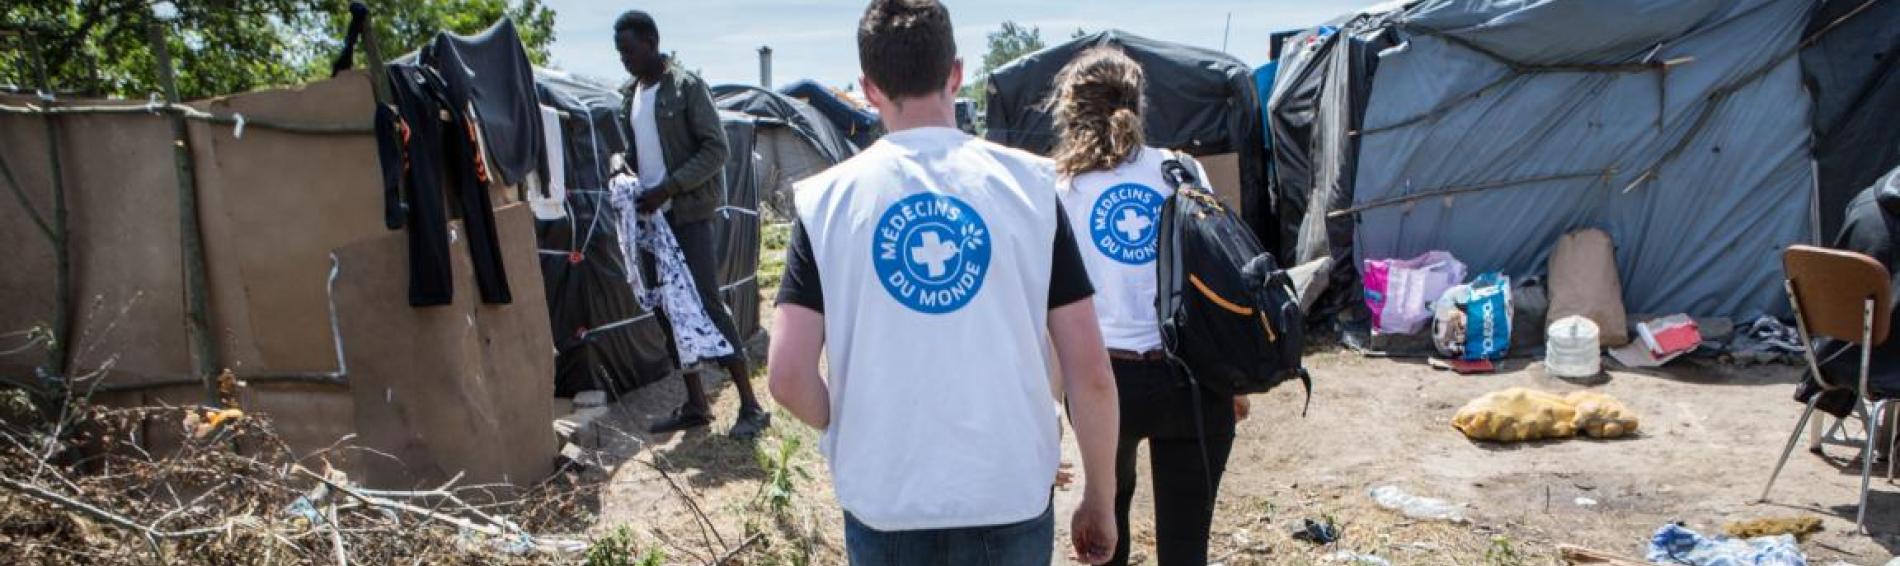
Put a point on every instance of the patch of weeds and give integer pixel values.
(618, 549)
(783, 473)
(1502, 553)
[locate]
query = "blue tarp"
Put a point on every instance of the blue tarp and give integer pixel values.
(1495, 127)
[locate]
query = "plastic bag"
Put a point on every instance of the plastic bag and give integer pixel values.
(1411, 285)
(1488, 317)
(1375, 282)
(1448, 321)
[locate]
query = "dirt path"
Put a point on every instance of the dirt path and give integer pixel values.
(1708, 441)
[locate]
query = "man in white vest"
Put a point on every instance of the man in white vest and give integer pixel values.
(927, 270)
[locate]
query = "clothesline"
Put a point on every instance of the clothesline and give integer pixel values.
(237, 120)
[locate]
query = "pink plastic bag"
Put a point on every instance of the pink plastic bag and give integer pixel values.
(1410, 287)
(1375, 280)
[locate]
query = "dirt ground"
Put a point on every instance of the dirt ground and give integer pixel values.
(1708, 439)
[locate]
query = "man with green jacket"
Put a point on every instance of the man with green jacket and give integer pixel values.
(678, 148)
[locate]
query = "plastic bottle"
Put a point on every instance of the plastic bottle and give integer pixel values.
(1572, 349)
(1421, 508)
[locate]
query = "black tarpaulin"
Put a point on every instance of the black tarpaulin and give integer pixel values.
(1197, 100)
(603, 339)
(1853, 73)
(738, 231)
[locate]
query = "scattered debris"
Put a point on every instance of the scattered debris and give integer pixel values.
(1316, 532)
(1350, 557)
(1800, 527)
(1573, 554)
(1423, 508)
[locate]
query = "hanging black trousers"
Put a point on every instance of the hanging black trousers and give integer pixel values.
(439, 161)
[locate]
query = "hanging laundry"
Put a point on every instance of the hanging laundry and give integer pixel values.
(434, 159)
(694, 334)
(489, 74)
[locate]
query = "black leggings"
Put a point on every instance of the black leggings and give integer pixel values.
(1158, 405)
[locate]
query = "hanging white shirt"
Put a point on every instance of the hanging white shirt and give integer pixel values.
(649, 154)
(1117, 215)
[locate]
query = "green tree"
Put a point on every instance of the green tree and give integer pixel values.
(101, 47)
(1005, 45)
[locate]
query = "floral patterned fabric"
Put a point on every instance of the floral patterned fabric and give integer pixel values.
(694, 334)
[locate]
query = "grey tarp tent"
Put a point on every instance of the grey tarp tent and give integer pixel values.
(1681, 128)
(1197, 100)
(793, 140)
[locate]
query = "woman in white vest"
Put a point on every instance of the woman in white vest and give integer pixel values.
(1112, 188)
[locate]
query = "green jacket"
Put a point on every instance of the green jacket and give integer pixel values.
(693, 140)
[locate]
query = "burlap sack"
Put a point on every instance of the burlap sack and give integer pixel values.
(1583, 282)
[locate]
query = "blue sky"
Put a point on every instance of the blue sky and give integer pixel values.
(817, 38)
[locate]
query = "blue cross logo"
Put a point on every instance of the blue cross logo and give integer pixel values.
(931, 252)
(1123, 223)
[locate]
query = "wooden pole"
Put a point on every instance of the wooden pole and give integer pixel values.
(204, 353)
(62, 252)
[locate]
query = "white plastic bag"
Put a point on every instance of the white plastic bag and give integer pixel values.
(1411, 287)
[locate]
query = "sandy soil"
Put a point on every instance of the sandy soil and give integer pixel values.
(1709, 438)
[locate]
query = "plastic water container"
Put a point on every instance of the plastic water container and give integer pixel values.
(1572, 348)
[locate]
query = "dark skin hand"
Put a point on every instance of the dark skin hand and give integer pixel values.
(643, 60)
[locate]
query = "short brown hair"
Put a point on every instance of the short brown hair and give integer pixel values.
(1097, 106)
(906, 47)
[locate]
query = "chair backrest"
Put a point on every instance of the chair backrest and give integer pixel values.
(1832, 287)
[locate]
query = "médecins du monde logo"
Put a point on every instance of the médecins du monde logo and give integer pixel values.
(1124, 221)
(931, 252)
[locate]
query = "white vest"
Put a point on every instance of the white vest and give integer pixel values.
(934, 251)
(1116, 215)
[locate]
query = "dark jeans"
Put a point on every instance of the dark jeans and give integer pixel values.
(697, 243)
(1158, 405)
(1027, 543)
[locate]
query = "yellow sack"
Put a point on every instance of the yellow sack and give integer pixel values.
(1519, 414)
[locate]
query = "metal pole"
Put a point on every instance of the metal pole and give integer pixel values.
(204, 354)
(62, 252)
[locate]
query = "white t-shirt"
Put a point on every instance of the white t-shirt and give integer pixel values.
(935, 252)
(1116, 215)
(649, 154)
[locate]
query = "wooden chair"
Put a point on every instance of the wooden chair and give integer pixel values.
(1848, 297)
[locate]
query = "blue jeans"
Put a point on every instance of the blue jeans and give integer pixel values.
(1027, 543)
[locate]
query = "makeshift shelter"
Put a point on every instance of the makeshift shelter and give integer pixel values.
(1681, 128)
(1197, 100)
(302, 290)
(857, 122)
(792, 140)
(605, 340)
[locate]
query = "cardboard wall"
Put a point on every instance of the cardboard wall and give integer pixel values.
(122, 197)
(273, 205)
(448, 389)
(453, 388)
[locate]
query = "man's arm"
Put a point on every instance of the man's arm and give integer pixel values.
(703, 119)
(1094, 412)
(798, 337)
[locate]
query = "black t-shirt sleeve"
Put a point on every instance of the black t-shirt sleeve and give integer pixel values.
(800, 284)
(1068, 277)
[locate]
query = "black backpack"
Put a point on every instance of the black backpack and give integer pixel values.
(1230, 318)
